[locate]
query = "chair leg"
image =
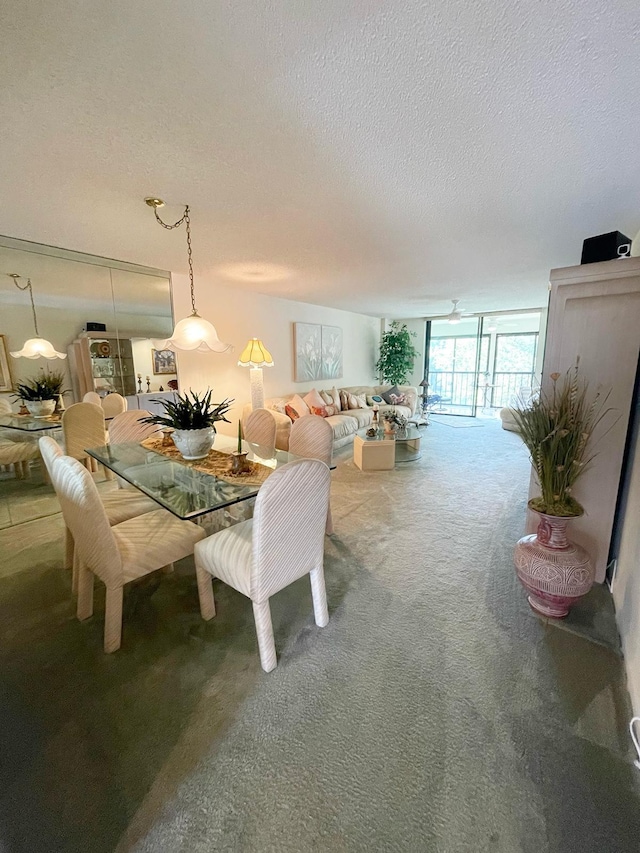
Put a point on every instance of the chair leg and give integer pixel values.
(108, 473)
(205, 593)
(85, 592)
(264, 630)
(68, 548)
(168, 569)
(329, 526)
(26, 470)
(319, 595)
(45, 474)
(113, 620)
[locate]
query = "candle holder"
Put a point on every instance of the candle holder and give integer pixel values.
(148, 385)
(139, 383)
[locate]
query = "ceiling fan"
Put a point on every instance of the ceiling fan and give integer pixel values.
(455, 315)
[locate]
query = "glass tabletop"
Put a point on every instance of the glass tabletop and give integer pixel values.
(177, 486)
(27, 423)
(411, 433)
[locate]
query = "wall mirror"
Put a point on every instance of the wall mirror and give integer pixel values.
(73, 291)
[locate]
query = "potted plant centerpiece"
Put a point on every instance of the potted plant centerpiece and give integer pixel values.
(193, 420)
(394, 422)
(41, 394)
(557, 429)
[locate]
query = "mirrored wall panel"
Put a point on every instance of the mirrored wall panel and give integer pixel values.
(102, 313)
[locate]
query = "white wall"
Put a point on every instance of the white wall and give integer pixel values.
(626, 587)
(143, 363)
(239, 316)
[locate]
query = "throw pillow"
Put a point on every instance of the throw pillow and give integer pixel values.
(386, 395)
(291, 412)
(344, 400)
(319, 410)
(327, 397)
(374, 399)
(331, 410)
(299, 405)
(278, 406)
(312, 399)
(336, 398)
(398, 399)
(357, 401)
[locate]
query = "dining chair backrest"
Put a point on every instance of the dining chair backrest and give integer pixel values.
(113, 404)
(87, 520)
(128, 426)
(82, 427)
(5, 407)
(260, 428)
(50, 450)
(91, 397)
(288, 525)
(311, 437)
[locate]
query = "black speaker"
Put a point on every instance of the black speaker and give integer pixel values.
(95, 327)
(605, 247)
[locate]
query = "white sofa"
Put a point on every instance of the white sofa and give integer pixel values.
(345, 424)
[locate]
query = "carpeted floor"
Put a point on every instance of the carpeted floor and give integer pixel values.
(435, 712)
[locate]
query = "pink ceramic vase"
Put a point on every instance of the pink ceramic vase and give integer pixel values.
(555, 572)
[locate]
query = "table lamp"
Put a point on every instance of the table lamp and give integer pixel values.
(256, 356)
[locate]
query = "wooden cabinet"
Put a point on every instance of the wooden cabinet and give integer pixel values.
(594, 314)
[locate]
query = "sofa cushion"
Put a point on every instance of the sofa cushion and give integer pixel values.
(342, 426)
(364, 417)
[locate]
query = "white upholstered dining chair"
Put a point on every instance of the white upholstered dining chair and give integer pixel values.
(282, 542)
(119, 506)
(92, 397)
(113, 404)
(260, 428)
(82, 427)
(128, 426)
(18, 455)
(118, 554)
(311, 437)
(5, 407)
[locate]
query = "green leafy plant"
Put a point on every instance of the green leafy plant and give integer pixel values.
(557, 429)
(47, 386)
(397, 354)
(190, 412)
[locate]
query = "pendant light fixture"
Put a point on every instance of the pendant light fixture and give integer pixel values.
(34, 347)
(194, 332)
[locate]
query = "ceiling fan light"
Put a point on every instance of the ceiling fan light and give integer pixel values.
(193, 334)
(454, 318)
(38, 348)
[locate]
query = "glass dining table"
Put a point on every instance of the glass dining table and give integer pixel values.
(176, 485)
(29, 424)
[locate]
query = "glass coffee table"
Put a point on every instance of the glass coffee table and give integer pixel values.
(383, 451)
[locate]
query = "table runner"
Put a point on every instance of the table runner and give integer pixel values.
(215, 463)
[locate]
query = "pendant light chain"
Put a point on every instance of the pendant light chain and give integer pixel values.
(187, 221)
(28, 287)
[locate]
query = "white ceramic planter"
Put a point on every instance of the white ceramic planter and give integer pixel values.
(194, 443)
(40, 408)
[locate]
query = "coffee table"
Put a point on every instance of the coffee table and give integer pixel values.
(382, 451)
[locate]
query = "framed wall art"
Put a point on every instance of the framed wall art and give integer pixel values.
(331, 352)
(6, 382)
(164, 361)
(307, 348)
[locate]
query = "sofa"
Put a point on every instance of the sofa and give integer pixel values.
(346, 423)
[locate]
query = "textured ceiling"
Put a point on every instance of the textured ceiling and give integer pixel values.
(380, 157)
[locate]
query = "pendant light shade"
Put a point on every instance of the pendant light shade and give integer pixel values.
(38, 348)
(194, 333)
(34, 347)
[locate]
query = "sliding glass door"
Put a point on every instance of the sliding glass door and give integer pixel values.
(457, 362)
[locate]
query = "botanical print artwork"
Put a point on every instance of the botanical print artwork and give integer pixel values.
(5, 375)
(308, 352)
(331, 352)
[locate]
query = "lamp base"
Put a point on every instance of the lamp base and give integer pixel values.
(257, 388)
